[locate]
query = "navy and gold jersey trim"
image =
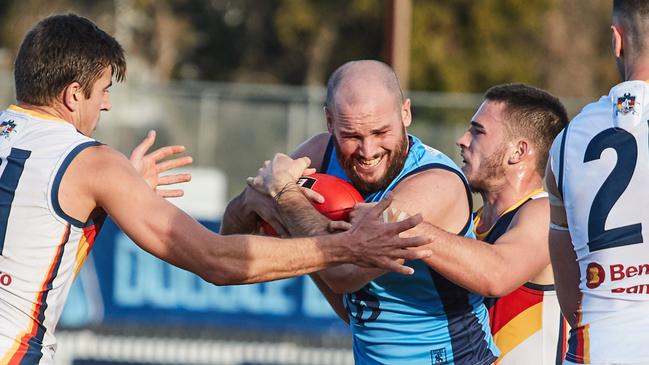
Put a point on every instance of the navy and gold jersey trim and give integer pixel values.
(57, 183)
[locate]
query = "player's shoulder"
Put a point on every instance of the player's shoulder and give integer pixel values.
(99, 157)
(595, 111)
(434, 182)
(600, 107)
(313, 148)
(534, 210)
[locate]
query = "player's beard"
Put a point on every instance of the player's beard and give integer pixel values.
(396, 159)
(491, 169)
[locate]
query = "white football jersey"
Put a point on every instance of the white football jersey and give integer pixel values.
(601, 165)
(41, 249)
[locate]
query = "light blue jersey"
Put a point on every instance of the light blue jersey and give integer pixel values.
(423, 318)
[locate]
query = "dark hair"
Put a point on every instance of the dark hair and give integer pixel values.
(62, 49)
(531, 113)
(632, 15)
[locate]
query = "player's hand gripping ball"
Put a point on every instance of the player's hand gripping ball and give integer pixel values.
(339, 198)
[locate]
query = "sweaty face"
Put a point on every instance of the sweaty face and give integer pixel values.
(484, 147)
(371, 142)
(90, 108)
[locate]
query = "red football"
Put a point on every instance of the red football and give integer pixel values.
(340, 197)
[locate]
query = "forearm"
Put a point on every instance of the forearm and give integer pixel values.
(472, 264)
(348, 278)
(566, 274)
(237, 218)
(300, 218)
(244, 259)
(335, 300)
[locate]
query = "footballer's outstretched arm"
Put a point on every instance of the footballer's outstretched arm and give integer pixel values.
(100, 177)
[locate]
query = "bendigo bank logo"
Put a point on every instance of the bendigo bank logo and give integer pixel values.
(594, 275)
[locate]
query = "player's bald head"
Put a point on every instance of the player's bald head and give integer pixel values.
(633, 17)
(356, 81)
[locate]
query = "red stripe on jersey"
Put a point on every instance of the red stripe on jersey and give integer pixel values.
(38, 308)
(511, 305)
(89, 233)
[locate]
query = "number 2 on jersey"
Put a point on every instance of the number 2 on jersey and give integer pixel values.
(626, 148)
(8, 184)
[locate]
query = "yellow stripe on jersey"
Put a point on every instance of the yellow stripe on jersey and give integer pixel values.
(21, 341)
(523, 326)
(35, 113)
(82, 253)
(476, 221)
(586, 345)
(7, 357)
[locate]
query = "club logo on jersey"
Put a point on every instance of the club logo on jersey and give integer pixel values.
(438, 357)
(363, 306)
(6, 128)
(595, 275)
(626, 104)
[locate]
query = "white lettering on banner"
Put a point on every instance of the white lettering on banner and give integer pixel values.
(141, 279)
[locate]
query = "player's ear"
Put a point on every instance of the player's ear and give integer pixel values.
(406, 115)
(521, 151)
(329, 119)
(617, 41)
(72, 95)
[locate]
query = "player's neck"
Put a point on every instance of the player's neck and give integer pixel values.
(501, 197)
(637, 71)
(48, 110)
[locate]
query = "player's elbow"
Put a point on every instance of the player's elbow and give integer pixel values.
(223, 270)
(494, 292)
(225, 276)
(495, 286)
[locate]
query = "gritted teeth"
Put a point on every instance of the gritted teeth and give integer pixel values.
(372, 162)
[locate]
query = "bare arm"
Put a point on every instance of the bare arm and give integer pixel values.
(493, 270)
(170, 234)
(489, 270)
(412, 195)
(240, 215)
(238, 218)
(562, 255)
